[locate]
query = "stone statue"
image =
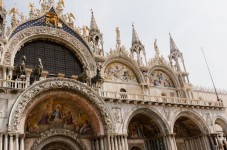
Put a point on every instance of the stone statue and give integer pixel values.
(20, 69)
(60, 5)
(32, 12)
(38, 70)
(156, 48)
(118, 43)
(14, 13)
(44, 5)
(83, 77)
(97, 80)
(70, 18)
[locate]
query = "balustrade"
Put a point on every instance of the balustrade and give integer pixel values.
(142, 98)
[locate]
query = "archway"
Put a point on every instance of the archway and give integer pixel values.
(57, 146)
(219, 136)
(148, 130)
(189, 135)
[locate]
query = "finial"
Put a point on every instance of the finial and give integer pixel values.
(92, 12)
(135, 38)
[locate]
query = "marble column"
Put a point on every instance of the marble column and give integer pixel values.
(115, 142)
(4, 76)
(171, 142)
(1, 139)
(11, 142)
(6, 141)
(120, 143)
(123, 143)
(97, 144)
(126, 143)
(17, 142)
(101, 143)
(109, 143)
(22, 142)
(112, 143)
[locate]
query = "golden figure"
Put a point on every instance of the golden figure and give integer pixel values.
(52, 18)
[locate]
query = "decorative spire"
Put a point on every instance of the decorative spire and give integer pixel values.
(135, 38)
(173, 46)
(93, 25)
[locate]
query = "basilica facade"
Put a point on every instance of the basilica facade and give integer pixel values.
(60, 91)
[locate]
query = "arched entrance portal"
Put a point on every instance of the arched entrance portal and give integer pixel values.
(188, 135)
(143, 130)
(60, 112)
(57, 146)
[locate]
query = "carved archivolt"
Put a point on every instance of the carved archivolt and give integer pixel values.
(167, 71)
(119, 73)
(126, 62)
(27, 97)
(52, 133)
(32, 33)
(196, 118)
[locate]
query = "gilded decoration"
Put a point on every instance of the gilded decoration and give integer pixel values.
(119, 73)
(58, 114)
(161, 79)
(51, 19)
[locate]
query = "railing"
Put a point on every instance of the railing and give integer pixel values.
(13, 84)
(131, 98)
(142, 98)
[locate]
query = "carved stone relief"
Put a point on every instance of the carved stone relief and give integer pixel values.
(119, 73)
(159, 78)
(3, 108)
(117, 114)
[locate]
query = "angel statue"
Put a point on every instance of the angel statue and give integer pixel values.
(156, 48)
(22, 17)
(14, 12)
(51, 2)
(60, 5)
(44, 5)
(70, 19)
(32, 13)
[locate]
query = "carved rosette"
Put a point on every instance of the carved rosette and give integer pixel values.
(52, 133)
(27, 98)
(28, 34)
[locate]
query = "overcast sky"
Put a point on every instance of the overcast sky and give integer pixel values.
(192, 23)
